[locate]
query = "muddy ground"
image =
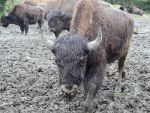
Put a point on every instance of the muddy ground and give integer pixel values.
(29, 77)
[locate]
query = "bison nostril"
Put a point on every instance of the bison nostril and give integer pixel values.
(69, 87)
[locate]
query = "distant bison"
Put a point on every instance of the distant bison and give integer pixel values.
(29, 2)
(24, 15)
(133, 9)
(98, 36)
(59, 15)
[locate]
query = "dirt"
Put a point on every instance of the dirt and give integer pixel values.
(29, 79)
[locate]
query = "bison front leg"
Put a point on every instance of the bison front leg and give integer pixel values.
(40, 23)
(26, 27)
(22, 29)
(92, 82)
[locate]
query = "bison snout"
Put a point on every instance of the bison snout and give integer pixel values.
(69, 88)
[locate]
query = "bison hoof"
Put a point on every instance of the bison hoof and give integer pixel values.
(118, 88)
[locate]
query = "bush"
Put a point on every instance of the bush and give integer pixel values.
(7, 5)
(2, 6)
(10, 3)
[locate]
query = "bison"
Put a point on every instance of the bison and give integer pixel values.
(59, 16)
(133, 9)
(98, 36)
(24, 15)
(29, 2)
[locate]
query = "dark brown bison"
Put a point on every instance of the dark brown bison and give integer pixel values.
(24, 15)
(59, 15)
(98, 36)
(133, 9)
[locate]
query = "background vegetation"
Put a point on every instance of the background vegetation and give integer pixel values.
(6, 5)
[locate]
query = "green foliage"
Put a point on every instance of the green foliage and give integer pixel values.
(2, 6)
(10, 3)
(7, 5)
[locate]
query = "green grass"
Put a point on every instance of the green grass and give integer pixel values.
(116, 6)
(10, 3)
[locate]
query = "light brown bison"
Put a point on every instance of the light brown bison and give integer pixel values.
(135, 10)
(98, 36)
(24, 15)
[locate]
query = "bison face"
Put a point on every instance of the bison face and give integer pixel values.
(58, 23)
(71, 52)
(71, 56)
(55, 24)
(5, 22)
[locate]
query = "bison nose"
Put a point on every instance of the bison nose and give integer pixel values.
(52, 29)
(68, 88)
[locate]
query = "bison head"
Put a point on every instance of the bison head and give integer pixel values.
(6, 20)
(71, 52)
(58, 22)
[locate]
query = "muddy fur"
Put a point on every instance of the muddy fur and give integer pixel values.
(24, 15)
(88, 17)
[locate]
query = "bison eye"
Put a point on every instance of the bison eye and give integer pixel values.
(81, 62)
(59, 63)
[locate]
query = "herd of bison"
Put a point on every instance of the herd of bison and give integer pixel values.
(84, 56)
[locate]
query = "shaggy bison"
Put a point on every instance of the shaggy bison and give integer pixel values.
(59, 16)
(24, 15)
(133, 9)
(98, 36)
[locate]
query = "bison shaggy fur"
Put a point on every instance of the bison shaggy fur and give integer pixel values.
(98, 36)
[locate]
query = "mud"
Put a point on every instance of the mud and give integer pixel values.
(29, 79)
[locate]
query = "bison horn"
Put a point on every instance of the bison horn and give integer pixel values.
(95, 43)
(48, 43)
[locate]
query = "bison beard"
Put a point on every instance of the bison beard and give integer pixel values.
(80, 57)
